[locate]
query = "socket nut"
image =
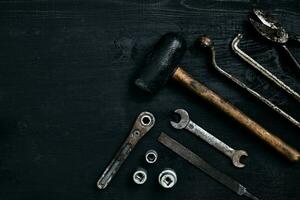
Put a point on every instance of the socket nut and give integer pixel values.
(140, 176)
(167, 178)
(151, 156)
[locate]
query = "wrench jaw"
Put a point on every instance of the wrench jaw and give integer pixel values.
(236, 157)
(184, 121)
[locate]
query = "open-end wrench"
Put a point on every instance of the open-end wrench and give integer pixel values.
(142, 125)
(186, 123)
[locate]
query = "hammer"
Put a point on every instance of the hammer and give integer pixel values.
(161, 64)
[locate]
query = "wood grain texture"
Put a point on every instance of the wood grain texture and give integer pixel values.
(67, 99)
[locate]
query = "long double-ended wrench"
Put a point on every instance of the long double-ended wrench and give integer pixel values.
(142, 125)
(206, 42)
(261, 69)
(186, 123)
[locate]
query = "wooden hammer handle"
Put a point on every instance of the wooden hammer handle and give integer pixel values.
(201, 90)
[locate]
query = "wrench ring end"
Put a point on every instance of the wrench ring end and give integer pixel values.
(147, 119)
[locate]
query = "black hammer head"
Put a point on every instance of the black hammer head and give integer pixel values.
(161, 62)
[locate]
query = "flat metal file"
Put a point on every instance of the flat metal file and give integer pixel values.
(201, 164)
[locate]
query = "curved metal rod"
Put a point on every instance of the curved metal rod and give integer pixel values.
(260, 68)
(206, 42)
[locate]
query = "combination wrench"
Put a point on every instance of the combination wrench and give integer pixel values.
(186, 123)
(144, 122)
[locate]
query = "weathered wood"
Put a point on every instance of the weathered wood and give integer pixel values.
(67, 96)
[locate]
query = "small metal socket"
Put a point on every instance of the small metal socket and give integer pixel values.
(140, 176)
(167, 178)
(151, 156)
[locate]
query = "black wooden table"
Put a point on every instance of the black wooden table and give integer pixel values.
(67, 100)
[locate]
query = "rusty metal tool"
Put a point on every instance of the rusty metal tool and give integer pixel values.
(261, 69)
(144, 122)
(206, 42)
(161, 64)
(186, 123)
(270, 28)
(201, 164)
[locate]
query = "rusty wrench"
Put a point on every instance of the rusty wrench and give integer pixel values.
(206, 42)
(144, 122)
(186, 123)
(261, 69)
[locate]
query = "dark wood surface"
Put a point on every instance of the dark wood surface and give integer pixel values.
(67, 100)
